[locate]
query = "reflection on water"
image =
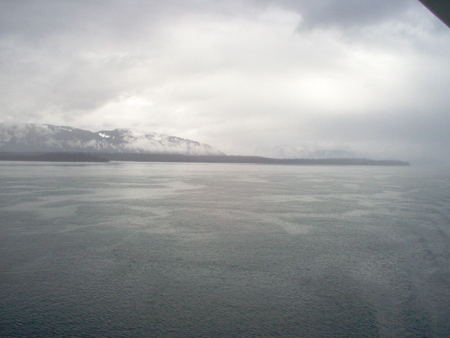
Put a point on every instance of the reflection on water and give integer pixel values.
(142, 249)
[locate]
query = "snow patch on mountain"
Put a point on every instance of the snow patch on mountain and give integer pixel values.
(49, 138)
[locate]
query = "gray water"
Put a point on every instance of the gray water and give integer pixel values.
(205, 250)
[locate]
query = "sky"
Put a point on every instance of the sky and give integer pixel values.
(249, 77)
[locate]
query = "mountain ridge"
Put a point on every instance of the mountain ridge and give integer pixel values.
(45, 142)
(29, 137)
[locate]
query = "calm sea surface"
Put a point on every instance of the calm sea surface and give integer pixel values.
(205, 250)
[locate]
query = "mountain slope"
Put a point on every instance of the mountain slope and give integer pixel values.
(48, 138)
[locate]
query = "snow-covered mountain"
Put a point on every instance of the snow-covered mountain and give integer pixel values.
(48, 138)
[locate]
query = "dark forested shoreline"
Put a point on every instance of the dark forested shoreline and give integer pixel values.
(51, 157)
(134, 157)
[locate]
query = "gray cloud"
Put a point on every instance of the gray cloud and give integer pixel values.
(347, 13)
(241, 75)
(38, 20)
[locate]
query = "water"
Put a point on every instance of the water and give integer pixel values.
(202, 250)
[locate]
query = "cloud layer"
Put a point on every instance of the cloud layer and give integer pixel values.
(244, 76)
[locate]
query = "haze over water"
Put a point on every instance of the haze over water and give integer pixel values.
(196, 250)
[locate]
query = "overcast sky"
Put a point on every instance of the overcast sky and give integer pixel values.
(244, 76)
